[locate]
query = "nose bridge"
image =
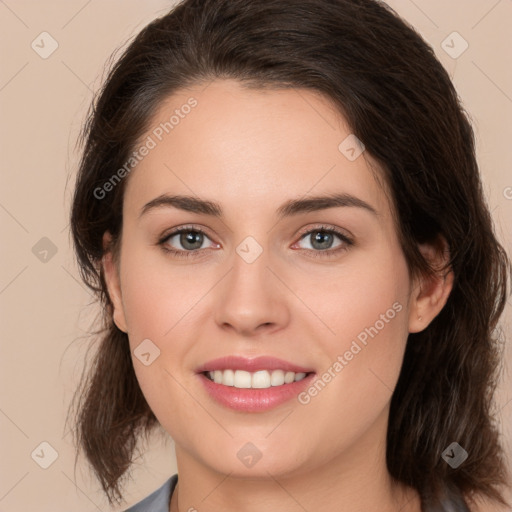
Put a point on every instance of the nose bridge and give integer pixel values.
(250, 295)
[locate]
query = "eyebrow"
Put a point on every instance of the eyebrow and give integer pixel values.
(289, 208)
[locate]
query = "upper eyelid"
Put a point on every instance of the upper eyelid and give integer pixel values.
(183, 229)
(323, 227)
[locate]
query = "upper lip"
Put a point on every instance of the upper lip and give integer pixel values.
(234, 362)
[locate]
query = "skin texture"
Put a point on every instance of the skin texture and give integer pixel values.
(251, 151)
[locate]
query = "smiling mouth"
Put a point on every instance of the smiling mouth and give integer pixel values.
(261, 379)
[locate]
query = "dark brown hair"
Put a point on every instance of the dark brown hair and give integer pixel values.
(400, 102)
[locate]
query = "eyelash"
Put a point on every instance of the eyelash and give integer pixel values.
(347, 242)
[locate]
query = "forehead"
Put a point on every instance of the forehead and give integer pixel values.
(250, 148)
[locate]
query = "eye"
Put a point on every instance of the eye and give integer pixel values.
(188, 241)
(184, 242)
(325, 241)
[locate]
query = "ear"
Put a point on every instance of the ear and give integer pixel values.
(430, 293)
(111, 273)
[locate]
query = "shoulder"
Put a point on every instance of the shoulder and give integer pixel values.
(158, 500)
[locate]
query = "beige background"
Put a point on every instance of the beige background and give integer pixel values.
(45, 311)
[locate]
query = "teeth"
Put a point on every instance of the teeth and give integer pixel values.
(261, 379)
(277, 378)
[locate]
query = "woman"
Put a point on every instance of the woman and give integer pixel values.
(279, 207)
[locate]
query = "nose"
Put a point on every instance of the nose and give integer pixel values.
(251, 300)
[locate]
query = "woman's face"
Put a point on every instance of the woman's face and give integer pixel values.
(269, 277)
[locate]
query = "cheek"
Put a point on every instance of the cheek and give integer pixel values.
(368, 313)
(374, 313)
(365, 301)
(160, 302)
(157, 296)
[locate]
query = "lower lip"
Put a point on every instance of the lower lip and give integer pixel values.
(254, 400)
